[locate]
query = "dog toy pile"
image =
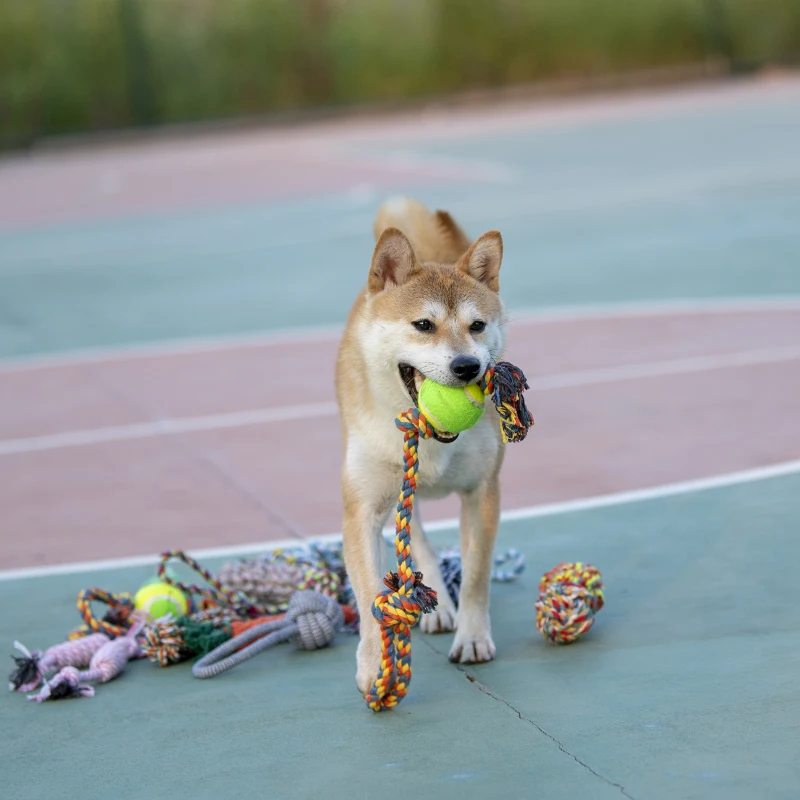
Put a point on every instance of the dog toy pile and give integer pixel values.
(244, 596)
(406, 597)
(569, 597)
(170, 626)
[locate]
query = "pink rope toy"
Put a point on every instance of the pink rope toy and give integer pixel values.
(33, 668)
(108, 662)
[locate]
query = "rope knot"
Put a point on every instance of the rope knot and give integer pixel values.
(317, 618)
(396, 606)
(163, 643)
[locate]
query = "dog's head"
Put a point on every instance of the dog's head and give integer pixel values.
(443, 322)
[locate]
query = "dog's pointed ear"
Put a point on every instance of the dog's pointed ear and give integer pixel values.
(482, 260)
(393, 262)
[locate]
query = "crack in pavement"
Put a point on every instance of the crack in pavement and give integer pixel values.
(489, 693)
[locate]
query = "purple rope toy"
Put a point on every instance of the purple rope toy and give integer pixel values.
(33, 668)
(108, 662)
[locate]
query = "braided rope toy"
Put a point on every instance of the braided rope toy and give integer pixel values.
(172, 641)
(218, 594)
(107, 662)
(117, 620)
(271, 580)
(310, 622)
(569, 597)
(399, 607)
(243, 594)
(32, 668)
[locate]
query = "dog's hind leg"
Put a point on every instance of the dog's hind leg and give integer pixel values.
(480, 516)
(443, 617)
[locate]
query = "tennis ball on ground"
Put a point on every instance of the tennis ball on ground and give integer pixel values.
(158, 599)
(451, 409)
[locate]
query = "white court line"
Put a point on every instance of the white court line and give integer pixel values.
(260, 416)
(165, 427)
(513, 515)
(292, 336)
(656, 369)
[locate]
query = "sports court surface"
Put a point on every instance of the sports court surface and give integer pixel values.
(169, 314)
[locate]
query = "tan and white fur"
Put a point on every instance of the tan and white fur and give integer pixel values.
(431, 308)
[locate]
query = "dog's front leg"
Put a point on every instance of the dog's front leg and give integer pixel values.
(365, 513)
(443, 617)
(480, 516)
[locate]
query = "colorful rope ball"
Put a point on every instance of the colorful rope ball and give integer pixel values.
(570, 595)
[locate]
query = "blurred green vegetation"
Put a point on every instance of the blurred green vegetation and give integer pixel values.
(70, 66)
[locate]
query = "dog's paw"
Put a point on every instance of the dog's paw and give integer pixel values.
(472, 648)
(440, 620)
(368, 663)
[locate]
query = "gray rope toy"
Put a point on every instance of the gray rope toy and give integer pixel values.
(311, 622)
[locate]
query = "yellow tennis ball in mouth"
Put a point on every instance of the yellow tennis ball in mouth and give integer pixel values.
(159, 599)
(451, 409)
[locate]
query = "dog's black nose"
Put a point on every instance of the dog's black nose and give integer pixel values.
(465, 368)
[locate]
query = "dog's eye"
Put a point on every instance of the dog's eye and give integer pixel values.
(424, 325)
(477, 326)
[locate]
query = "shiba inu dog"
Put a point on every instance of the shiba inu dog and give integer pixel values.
(431, 309)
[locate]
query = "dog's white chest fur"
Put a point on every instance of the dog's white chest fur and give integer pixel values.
(459, 466)
(375, 453)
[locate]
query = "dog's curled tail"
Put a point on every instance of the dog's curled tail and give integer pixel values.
(434, 235)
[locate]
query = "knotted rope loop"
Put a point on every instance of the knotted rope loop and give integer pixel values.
(115, 623)
(398, 608)
(393, 607)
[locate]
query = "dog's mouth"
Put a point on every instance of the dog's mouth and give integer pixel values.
(412, 379)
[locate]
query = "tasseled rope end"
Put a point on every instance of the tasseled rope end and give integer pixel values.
(399, 607)
(421, 595)
(570, 595)
(424, 596)
(64, 685)
(163, 643)
(26, 676)
(505, 383)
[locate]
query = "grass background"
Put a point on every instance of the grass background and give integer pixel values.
(72, 66)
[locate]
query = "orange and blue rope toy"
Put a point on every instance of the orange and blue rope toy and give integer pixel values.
(115, 623)
(399, 607)
(570, 595)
